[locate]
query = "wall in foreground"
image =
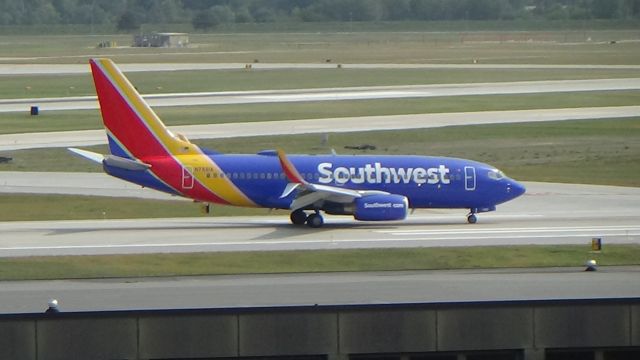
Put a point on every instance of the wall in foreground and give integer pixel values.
(602, 329)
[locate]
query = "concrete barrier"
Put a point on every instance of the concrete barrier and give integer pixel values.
(530, 330)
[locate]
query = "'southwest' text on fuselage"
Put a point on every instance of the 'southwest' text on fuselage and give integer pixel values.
(378, 174)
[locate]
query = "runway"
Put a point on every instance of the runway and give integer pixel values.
(333, 94)
(327, 125)
(547, 214)
(321, 289)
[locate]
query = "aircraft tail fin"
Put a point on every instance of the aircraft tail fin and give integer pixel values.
(133, 129)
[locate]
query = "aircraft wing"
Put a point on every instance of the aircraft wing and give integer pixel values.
(309, 193)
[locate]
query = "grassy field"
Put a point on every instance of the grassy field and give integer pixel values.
(30, 86)
(585, 45)
(90, 119)
(78, 267)
(521, 25)
(26, 207)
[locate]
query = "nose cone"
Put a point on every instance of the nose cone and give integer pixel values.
(515, 189)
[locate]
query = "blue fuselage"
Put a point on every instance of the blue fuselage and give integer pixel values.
(427, 182)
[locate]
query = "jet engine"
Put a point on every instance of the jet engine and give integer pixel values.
(381, 208)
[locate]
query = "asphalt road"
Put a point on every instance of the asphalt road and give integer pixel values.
(328, 125)
(547, 214)
(333, 94)
(321, 289)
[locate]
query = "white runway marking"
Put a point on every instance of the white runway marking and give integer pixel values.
(607, 229)
(336, 125)
(330, 94)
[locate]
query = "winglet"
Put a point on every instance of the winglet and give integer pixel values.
(292, 173)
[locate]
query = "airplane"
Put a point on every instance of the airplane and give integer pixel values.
(368, 187)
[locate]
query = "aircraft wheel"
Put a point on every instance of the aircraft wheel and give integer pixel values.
(315, 220)
(472, 219)
(298, 217)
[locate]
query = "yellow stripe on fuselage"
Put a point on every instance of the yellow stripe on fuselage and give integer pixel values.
(224, 188)
(187, 154)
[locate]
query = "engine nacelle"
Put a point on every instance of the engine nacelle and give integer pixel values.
(381, 208)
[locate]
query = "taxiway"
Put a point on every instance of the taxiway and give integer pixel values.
(547, 214)
(333, 94)
(315, 126)
(454, 286)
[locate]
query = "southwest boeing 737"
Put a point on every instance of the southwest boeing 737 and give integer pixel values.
(368, 187)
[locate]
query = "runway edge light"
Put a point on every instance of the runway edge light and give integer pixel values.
(596, 248)
(596, 244)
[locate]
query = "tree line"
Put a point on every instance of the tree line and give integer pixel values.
(207, 14)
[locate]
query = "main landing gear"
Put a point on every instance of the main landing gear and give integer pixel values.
(299, 217)
(472, 218)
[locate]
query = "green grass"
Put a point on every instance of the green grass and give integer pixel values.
(292, 27)
(62, 267)
(387, 43)
(27, 207)
(602, 151)
(90, 119)
(23, 122)
(29, 86)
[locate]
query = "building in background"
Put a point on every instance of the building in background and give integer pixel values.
(161, 40)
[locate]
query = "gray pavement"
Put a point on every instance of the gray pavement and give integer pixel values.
(74, 183)
(310, 126)
(321, 289)
(548, 214)
(333, 94)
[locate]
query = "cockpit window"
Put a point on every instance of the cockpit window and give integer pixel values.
(496, 174)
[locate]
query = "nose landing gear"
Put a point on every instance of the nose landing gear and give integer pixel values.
(472, 218)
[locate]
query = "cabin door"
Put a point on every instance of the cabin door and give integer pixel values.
(469, 178)
(187, 178)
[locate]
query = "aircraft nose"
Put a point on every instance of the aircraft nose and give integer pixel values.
(515, 189)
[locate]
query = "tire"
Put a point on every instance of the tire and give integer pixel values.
(298, 217)
(315, 221)
(472, 219)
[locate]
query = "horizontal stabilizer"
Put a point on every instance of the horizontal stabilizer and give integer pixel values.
(111, 160)
(127, 164)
